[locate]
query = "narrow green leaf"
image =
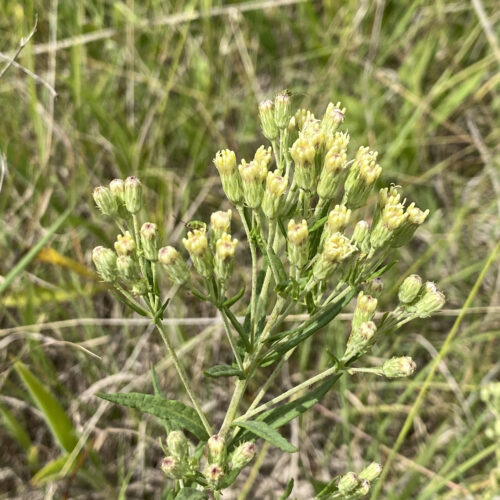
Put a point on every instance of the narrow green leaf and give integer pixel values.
(277, 267)
(218, 371)
(277, 417)
(237, 326)
(171, 410)
(266, 432)
(15, 429)
(288, 490)
(59, 423)
(33, 252)
(232, 300)
(281, 415)
(51, 470)
(300, 334)
(191, 494)
(158, 392)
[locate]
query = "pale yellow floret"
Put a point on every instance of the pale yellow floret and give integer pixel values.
(297, 232)
(225, 247)
(225, 161)
(196, 242)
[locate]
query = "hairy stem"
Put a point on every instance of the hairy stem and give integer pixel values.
(182, 375)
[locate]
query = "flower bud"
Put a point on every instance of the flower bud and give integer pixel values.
(220, 223)
(178, 445)
(105, 263)
(371, 472)
(262, 157)
(362, 175)
(117, 188)
(124, 244)
(333, 117)
(224, 253)
(348, 484)
(392, 218)
(225, 161)
(105, 200)
(409, 289)
(298, 243)
(132, 194)
(172, 467)
(213, 473)
(216, 449)
(267, 121)
(301, 117)
(361, 236)
(174, 265)
(243, 455)
(396, 367)
(303, 154)
(252, 181)
(430, 301)
(333, 166)
(282, 109)
(335, 249)
(312, 132)
(363, 488)
(359, 339)
(149, 241)
(196, 244)
(128, 269)
(272, 203)
(337, 221)
(404, 233)
(374, 287)
(364, 311)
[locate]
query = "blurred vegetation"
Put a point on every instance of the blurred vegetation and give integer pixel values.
(153, 89)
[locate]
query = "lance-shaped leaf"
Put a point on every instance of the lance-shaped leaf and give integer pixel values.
(173, 411)
(266, 432)
(218, 371)
(298, 335)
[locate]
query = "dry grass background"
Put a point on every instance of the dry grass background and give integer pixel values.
(153, 89)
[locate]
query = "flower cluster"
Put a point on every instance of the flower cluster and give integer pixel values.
(319, 233)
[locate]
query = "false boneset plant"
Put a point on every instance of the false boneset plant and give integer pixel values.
(300, 202)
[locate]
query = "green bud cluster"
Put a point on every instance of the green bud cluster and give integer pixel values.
(353, 486)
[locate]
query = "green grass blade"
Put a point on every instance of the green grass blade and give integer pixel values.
(58, 421)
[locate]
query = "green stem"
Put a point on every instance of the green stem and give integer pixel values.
(289, 393)
(253, 252)
(227, 329)
(142, 262)
(252, 361)
(182, 375)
